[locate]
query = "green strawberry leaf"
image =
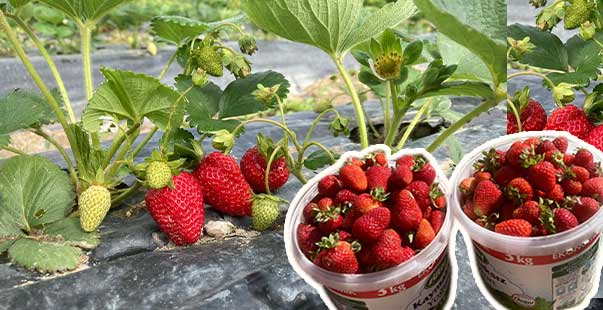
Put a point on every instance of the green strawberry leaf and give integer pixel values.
(36, 192)
(461, 88)
(84, 11)
(21, 110)
(177, 29)
(5, 245)
(574, 78)
(318, 159)
(204, 101)
(584, 56)
(549, 52)
(71, 232)
(18, 3)
(238, 98)
(127, 95)
(9, 229)
(45, 256)
(478, 25)
(455, 149)
(469, 66)
(334, 26)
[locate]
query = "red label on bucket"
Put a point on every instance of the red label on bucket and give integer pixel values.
(395, 289)
(538, 260)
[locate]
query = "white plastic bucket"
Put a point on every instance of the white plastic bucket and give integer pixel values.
(560, 270)
(427, 281)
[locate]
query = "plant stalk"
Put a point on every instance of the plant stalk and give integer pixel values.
(144, 142)
(413, 124)
(355, 101)
(51, 65)
(125, 195)
(392, 132)
(62, 151)
(14, 150)
(484, 107)
(167, 66)
(86, 43)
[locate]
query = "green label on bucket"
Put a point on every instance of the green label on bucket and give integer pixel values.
(556, 281)
(427, 290)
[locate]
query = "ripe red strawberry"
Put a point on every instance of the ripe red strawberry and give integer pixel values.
(564, 220)
(365, 203)
(401, 177)
(378, 177)
(388, 251)
(581, 173)
(570, 119)
(369, 227)
(529, 211)
(376, 159)
(593, 188)
(568, 159)
(513, 155)
(420, 190)
(178, 210)
(584, 158)
(357, 162)
(436, 219)
(519, 190)
(439, 202)
(585, 209)
(353, 178)
(543, 175)
(406, 160)
(345, 196)
(532, 118)
(349, 218)
(406, 213)
(546, 146)
(561, 144)
(468, 210)
(325, 204)
(571, 187)
(506, 211)
(423, 170)
(424, 235)
(482, 176)
(224, 186)
(329, 220)
(310, 211)
(467, 186)
(505, 174)
(336, 255)
(532, 142)
(307, 237)
(556, 194)
(515, 227)
(595, 137)
(486, 198)
(329, 186)
(253, 167)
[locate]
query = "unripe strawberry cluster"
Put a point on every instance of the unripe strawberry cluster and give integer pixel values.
(533, 188)
(371, 216)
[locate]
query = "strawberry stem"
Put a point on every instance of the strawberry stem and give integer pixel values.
(414, 123)
(511, 106)
(355, 101)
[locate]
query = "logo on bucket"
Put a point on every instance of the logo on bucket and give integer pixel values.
(524, 300)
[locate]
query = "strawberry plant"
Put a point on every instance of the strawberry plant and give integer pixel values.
(565, 68)
(470, 60)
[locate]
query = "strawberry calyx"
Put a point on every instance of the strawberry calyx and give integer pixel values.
(547, 216)
(379, 194)
(490, 162)
(419, 163)
(529, 158)
(323, 216)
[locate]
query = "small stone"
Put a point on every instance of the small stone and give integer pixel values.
(219, 229)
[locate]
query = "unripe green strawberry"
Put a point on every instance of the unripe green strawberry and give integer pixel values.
(209, 60)
(94, 204)
(264, 212)
(578, 12)
(159, 175)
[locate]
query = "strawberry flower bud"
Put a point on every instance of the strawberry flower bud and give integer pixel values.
(247, 44)
(587, 31)
(200, 77)
(223, 140)
(550, 16)
(340, 125)
(237, 64)
(267, 95)
(520, 47)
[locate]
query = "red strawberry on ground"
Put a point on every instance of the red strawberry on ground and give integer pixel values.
(593, 188)
(436, 219)
(486, 198)
(253, 167)
(595, 137)
(519, 190)
(401, 177)
(529, 211)
(543, 175)
(353, 178)
(424, 235)
(369, 227)
(329, 186)
(337, 256)
(406, 213)
(515, 227)
(564, 220)
(571, 119)
(585, 209)
(179, 210)
(378, 177)
(420, 190)
(532, 118)
(388, 251)
(224, 186)
(307, 237)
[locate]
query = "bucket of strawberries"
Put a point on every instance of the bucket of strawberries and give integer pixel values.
(372, 232)
(528, 205)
